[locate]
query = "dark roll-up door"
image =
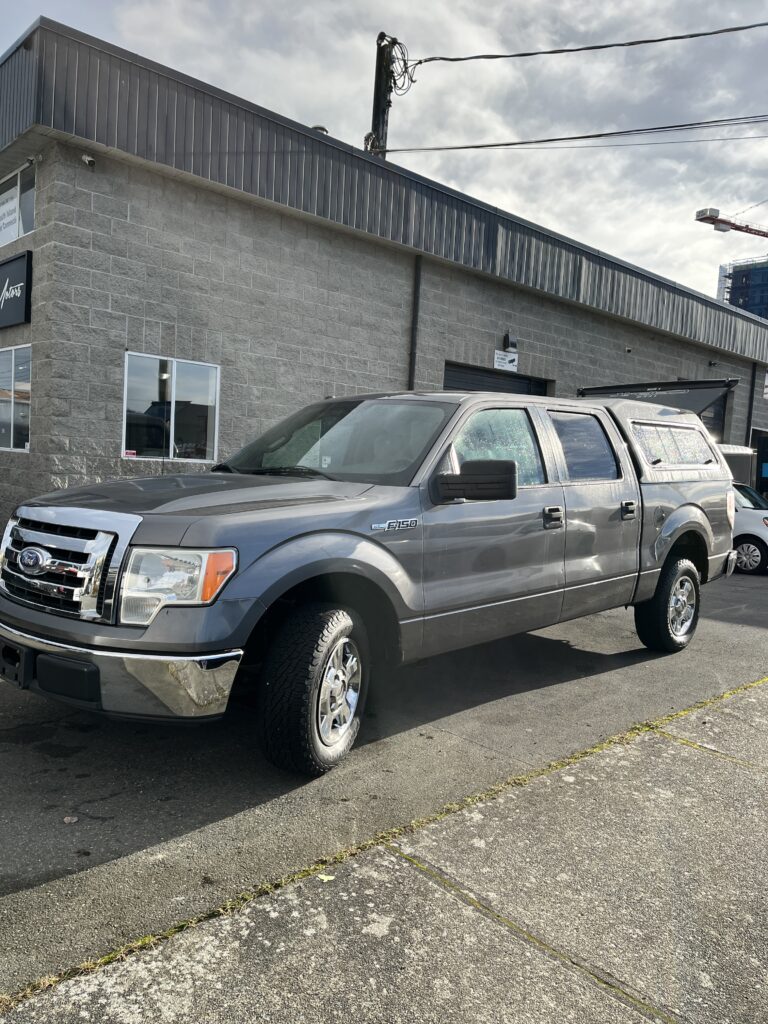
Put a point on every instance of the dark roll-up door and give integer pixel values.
(474, 378)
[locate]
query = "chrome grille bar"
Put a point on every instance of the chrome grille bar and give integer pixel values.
(84, 550)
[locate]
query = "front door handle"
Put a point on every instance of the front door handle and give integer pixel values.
(628, 509)
(553, 517)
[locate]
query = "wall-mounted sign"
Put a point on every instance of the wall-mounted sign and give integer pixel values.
(9, 214)
(16, 290)
(505, 359)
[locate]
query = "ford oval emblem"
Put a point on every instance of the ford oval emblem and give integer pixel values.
(34, 561)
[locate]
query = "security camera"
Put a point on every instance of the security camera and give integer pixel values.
(627, 350)
(88, 160)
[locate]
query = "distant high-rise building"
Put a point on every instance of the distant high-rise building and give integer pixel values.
(745, 284)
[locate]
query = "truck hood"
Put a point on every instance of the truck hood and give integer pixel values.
(201, 494)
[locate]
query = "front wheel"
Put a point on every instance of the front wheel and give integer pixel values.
(668, 621)
(313, 688)
(751, 555)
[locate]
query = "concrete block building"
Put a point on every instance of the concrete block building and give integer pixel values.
(179, 268)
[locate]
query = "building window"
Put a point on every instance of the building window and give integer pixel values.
(15, 390)
(171, 409)
(17, 204)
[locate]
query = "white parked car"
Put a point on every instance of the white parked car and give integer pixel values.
(750, 533)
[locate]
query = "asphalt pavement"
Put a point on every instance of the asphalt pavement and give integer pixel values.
(170, 822)
(626, 886)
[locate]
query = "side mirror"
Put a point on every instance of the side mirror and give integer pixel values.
(479, 480)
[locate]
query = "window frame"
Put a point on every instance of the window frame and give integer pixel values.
(476, 410)
(13, 349)
(666, 467)
(19, 234)
(172, 361)
(565, 478)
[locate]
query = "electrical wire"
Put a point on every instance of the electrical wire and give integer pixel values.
(659, 129)
(752, 207)
(583, 49)
(666, 142)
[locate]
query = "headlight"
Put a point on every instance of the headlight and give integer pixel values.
(157, 577)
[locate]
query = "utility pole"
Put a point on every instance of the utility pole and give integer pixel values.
(383, 84)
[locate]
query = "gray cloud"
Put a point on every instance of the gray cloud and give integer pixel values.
(314, 62)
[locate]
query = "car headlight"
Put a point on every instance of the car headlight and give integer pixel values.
(158, 577)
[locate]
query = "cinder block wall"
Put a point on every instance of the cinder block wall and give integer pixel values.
(128, 259)
(463, 318)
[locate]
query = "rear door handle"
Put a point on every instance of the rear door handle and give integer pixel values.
(628, 509)
(553, 517)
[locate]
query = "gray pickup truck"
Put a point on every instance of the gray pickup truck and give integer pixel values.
(361, 530)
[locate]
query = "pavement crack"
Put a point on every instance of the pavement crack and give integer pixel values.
(712, 751)
(9, 1000)
(593, 975)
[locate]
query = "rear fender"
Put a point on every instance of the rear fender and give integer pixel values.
(684, 519)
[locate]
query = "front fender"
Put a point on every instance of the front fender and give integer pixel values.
(319, 554)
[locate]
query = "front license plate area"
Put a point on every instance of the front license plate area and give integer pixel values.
(15, 664)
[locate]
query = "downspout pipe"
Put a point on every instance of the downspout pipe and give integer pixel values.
(412, 352)
(751, 406)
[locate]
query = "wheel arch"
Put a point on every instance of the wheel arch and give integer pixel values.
(338, 589)
(691, 545)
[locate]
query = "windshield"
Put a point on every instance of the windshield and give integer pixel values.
(382, 441)
(748, 497)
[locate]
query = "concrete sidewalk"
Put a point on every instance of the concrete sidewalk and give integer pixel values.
(629, 884)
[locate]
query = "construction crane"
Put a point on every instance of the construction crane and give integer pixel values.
(712, 216)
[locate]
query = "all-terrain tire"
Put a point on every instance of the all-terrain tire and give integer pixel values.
(659, 622)
(294, 679)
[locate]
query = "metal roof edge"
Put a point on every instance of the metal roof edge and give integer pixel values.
(334, 143)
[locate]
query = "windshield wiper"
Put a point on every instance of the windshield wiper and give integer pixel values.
(224, 467)
(289, 471)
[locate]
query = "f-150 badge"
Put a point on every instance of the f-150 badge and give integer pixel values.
(395, 524)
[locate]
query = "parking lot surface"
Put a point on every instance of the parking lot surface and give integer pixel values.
(170, 821)
(625, 886)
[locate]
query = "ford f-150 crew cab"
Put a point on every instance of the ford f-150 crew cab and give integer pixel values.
(357, 531)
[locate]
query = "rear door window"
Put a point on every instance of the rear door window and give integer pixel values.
(588, 453)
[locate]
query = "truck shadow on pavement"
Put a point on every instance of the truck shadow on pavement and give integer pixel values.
(81, 790)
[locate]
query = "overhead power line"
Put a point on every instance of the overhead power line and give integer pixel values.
(583, 49)
(721, 122)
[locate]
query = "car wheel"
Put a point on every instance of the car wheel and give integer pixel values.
(751, 555)
(313, 688)
(668, 621)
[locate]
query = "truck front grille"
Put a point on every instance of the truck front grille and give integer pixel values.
(56, 566)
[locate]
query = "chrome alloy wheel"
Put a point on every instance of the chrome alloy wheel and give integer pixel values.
(682, 606)
(748, 556)
(339, 692)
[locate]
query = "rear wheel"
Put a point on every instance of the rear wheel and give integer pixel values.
(668, 621)
(751, 555)
(313, 688)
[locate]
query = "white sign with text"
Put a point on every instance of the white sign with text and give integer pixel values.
(9, 216)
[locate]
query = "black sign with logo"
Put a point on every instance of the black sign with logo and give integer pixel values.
(16, 290)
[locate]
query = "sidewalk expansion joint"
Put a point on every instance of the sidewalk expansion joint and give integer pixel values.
(592, 975)
(711, 751)
(9, 1000)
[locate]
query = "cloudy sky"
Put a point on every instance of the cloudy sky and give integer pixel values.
(313, 62)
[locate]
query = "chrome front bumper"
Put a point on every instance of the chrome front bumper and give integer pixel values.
(118, 682)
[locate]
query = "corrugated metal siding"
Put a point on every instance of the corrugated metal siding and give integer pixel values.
(94, 91)
(17, 94)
